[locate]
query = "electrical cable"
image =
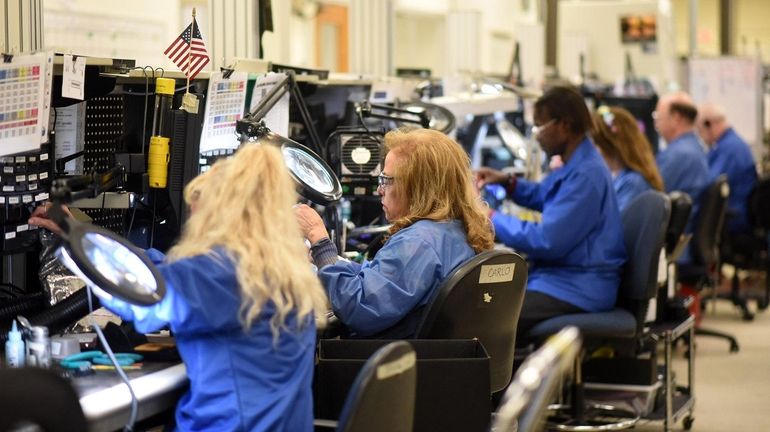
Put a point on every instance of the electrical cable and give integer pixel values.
(146, 100)
(368, 131)
(129, 427)
(152, 228)
(133, 214)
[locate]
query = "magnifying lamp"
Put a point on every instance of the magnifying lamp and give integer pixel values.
(439, 118)
(108, 263)
(315, 180)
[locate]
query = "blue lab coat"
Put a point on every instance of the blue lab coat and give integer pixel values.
(239, 380)
(628, 184)
(732, 156)
(684, 168)
(376, 295)
(577, 250)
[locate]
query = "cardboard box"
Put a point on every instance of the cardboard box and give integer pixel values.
(452, 381)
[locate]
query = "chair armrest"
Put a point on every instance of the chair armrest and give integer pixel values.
(684, 240)
(326, 424)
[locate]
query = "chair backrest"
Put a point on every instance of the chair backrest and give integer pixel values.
(482, 300)
(39, 397)
(681, 206)
(759, 204)
(537, 381)
(382, 397)
(710, 218)
(645, 221)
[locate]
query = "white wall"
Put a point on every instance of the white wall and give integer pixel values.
(136, 29)
(419, 42)
(751, 34)
(707, 31)
(499, 20)
(594, 25)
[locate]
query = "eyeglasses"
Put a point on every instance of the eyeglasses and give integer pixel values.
(537, 130)
(385, 180)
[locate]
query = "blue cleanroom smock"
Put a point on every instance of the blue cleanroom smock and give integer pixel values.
(732, 156)
(684, 168)
(239, 380)
(376, 295)
(628, 184)
(577, 250)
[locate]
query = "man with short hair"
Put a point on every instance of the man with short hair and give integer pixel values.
(730, 155)
(683, 164)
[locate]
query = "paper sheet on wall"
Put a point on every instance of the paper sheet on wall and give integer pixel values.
(73, 77)
(25, 101)
(70, 135)
(734, 83)
(224, 106)
(277, 119)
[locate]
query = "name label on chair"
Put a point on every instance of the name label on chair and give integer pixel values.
(496, 273)
(397, 366)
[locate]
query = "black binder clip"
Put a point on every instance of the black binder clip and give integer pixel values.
(7, 58)
(226, 72)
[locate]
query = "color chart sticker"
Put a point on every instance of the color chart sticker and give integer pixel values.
(225, 104)
(24, 86)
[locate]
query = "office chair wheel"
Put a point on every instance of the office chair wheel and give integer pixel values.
(747, 316)
(762, 304)
(687, 422)
(596, 418)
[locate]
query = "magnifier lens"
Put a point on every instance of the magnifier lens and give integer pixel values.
(308, 169)
(118, 264)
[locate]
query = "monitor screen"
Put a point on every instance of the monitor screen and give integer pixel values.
(638, 28)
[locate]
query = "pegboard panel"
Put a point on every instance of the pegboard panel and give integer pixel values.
(104, 125)
(112, 219)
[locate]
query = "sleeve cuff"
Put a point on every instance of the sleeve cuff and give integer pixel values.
(510, 185)
(324, 253)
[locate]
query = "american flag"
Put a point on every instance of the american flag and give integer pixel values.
(180, 48)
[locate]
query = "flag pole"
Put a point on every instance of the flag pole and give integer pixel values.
(189, 52)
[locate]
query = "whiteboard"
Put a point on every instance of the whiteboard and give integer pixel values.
(735, 83)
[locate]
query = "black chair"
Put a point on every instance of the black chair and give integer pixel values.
(536, 384)
(39, 397)
(670, 307)
(749, 250)
(382, 398)
(703, 271)
(481, 300)
(645, 222)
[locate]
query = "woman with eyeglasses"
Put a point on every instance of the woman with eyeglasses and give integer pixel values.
(576, 250)
(438, 222)
(627, 152)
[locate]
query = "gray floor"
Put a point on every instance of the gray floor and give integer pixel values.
(732, 391)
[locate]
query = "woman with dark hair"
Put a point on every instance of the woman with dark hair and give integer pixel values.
(627, 153)
(438, 222)
(576, 250)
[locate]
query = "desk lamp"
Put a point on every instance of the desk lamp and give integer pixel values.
(315, 180)
(439, 118)
(108, 263)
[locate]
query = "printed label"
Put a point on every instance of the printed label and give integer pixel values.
(496, 273)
